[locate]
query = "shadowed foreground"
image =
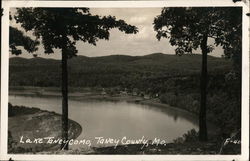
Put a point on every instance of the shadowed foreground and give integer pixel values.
(34, 123)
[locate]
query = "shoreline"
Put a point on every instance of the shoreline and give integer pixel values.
(88, 94)
(44, 124)
(170, 148)
(81, 96)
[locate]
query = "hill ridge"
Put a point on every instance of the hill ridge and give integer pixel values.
(116, 55)
(118, 70)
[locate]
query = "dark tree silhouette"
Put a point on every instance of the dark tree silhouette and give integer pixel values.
(17, 38)
(60, 28)
(190, 28)
(236, 1)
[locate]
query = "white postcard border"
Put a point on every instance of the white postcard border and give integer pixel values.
(123, 4)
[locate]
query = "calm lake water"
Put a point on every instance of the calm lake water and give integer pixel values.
(117, 119)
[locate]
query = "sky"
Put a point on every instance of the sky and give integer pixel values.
(142, 43)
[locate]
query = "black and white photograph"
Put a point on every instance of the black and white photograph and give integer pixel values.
(125, 81)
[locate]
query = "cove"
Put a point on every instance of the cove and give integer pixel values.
(116, 119)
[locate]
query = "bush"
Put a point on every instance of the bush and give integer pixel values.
(191, 136)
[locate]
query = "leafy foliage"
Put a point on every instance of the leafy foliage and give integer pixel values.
(185, 27)
(17, 38)
(189, 28)
(62, 27)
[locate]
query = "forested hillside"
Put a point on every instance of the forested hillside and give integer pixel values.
(110, 71)
(175, 80)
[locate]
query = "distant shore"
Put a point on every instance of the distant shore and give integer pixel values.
(81, 94)
(171, 148)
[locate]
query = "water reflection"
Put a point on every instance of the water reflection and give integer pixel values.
(117, 119)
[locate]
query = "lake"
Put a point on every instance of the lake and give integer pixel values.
(117, 119)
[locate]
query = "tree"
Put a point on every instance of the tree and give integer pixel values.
(60, 28)
(190, 28)
(17, 38)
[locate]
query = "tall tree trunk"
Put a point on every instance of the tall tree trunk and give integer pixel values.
(203, 90)
(64, 99)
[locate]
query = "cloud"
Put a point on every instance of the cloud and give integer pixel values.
(138, 20)
(141, 43)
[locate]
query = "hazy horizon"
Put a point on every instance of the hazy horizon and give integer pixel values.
(142, 43)
(44, 57)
